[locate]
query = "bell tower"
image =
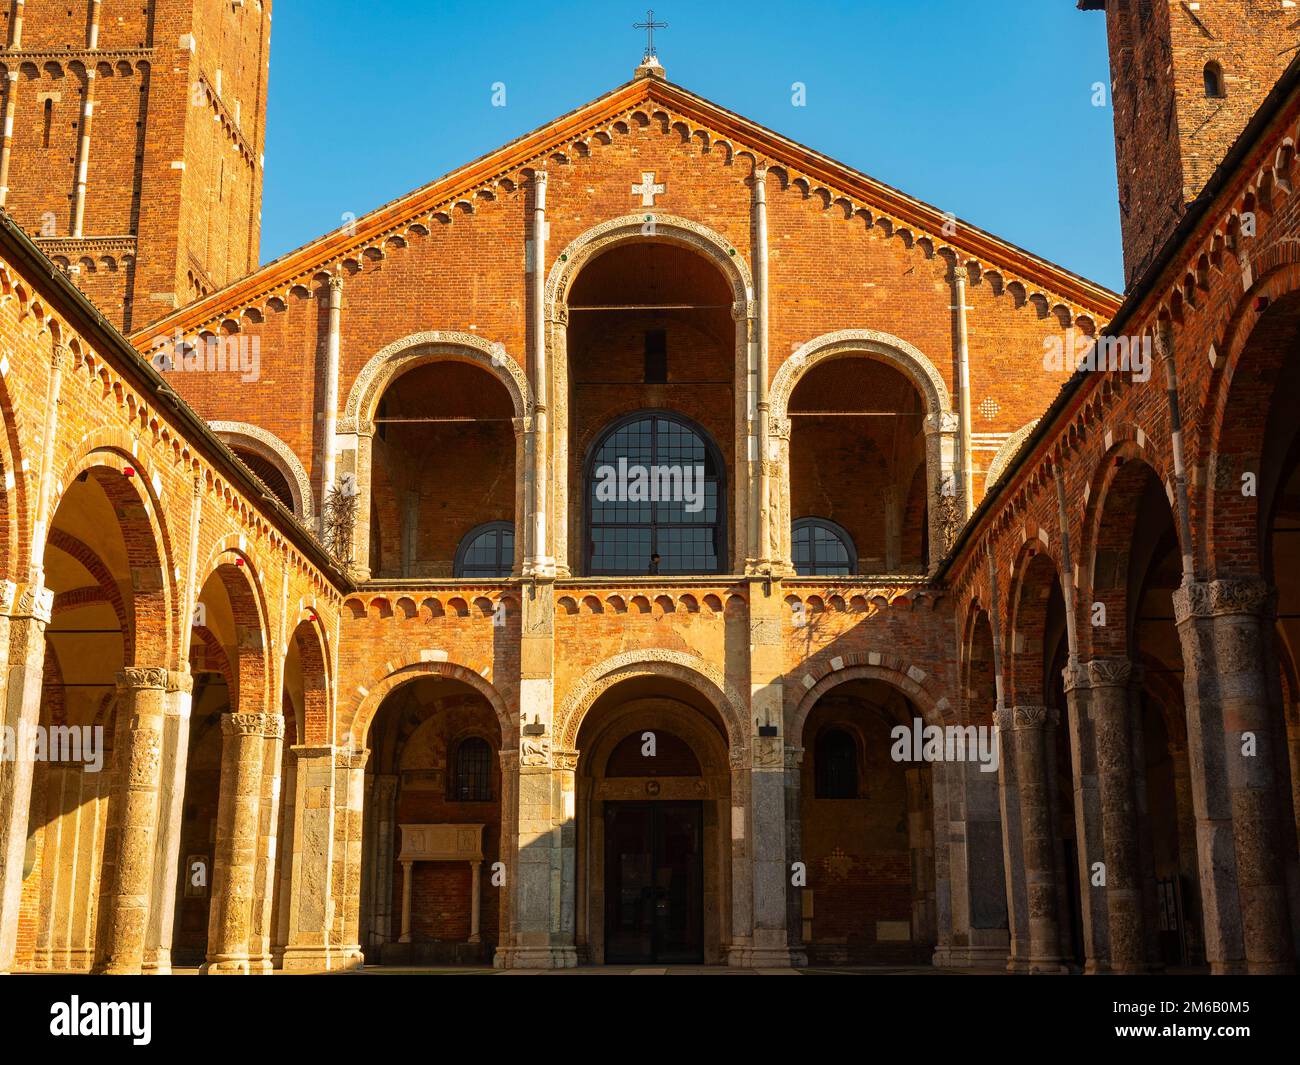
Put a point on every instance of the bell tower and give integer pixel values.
(133, 143)
(1186, 77)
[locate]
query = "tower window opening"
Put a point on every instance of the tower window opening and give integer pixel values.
(1214, 81)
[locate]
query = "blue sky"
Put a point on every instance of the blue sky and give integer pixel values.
(984, 110)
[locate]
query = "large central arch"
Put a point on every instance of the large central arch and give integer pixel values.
(646, 227)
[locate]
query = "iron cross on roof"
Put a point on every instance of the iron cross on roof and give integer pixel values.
(649, 25)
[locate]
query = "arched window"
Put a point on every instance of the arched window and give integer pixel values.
(1214, 80)
(822, 549)
(473, 779)
(655, 486)
(837, 765)
(48, 122)
(487, 551)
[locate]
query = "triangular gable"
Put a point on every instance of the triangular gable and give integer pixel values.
(717, 127)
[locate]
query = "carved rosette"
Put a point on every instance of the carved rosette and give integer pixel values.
(139, 678)
(1109, 672)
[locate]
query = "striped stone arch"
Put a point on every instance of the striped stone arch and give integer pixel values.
(279, 454)
(392, 361)
(370, 696)
(910, 679)
(653, 662)
(1006, 453)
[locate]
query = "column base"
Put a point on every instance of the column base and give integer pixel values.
(314, 960)
(225, 966)
(535, 958)
(748, 957)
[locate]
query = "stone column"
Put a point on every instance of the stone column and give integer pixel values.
(1012, 842)
(24, 615)
(381, 816)
(794, 853)
(311, 907)
(408, 874)
(233, 877)
(171, 799)
(1188, 875)
(475, 900)
(972, 908)
(1232, 752)
(349, 822)
(1142, 808)
(942, 490)
(1087, 819)
(1030, 725)
(740, 950)
(1108, 683)
(264, 863)
(141, 718)
(769, 944)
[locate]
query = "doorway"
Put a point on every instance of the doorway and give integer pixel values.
(654, 882)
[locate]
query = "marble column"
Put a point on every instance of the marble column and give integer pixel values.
(1108, 682)
(1030, 727)
(233, 878)
(141, 717)
(24, 615)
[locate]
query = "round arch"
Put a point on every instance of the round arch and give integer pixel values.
(653, 662)
(279, 454)
(367, 705)
(418, 349)
(646, 227)
(941, 422)
(870, 343)
(253, 668)
(932, 709)
(143, 527)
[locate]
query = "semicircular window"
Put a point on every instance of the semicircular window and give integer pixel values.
(487, 551)
(655, 486)
(820, 548)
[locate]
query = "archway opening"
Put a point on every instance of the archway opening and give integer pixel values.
(432, 827)
(91, 636)
(650, 329)
(867, 831)
(653, 848)
(858, 461)
(269, 474)
(442, 464)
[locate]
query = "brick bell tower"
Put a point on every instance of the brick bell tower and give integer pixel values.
(133, 143)
(1186, 77)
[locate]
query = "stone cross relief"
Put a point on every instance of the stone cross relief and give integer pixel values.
(648, 190)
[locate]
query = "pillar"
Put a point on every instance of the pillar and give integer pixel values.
(264, 861)
(24, 615)
(1030, 726)
(960, 275)
(171, 799)
(311, 908)
(141, 719)
(7, 139)
(345, 881)
(794, 853)
(408, 874)
(475, 899)
(330, 401)
(1188, 874)
(1108, 683)
(1232, 750)
(1093, 902)
(233, 877)
(1012, 842)
(83, 154)
(942, 489)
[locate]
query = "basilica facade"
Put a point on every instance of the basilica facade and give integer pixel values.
(651, 543)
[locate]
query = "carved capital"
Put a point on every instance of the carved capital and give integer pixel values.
(243, 724)
(1109, 672)
(1003, 720)
(179, 681)
(139, 678)
(1075, 676)
(27, 601)
(1205, 599)
(768, 752)
(738, 758)
(564, 759)
(346, 757)
(793, 757)
(1032, 717)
